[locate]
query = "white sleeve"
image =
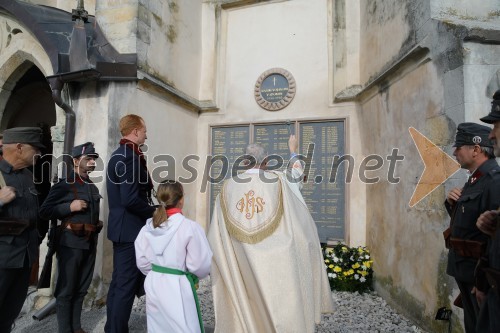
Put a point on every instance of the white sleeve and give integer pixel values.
(294, 175)
(141, 249)
(199, 254)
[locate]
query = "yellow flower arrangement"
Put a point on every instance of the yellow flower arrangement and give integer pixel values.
(348, 268)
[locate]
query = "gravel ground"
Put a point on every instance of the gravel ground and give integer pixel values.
(367, 313)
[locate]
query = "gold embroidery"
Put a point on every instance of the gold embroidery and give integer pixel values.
(250, 204)
(261, 233)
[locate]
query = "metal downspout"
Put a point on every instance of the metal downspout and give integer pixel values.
(56, 85)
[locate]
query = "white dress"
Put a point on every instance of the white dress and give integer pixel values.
(178, 243)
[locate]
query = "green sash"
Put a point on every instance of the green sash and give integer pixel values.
(193, 280)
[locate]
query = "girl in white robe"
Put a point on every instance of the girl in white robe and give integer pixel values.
(167, 245)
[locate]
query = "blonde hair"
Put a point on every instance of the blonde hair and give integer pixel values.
(129, 122)
(169, 193)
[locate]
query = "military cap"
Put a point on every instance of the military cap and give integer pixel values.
(28, 135)
(470, 134)
(494, 114)
(84, 149)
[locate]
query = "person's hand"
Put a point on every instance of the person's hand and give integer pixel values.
(293, 144)
(454, 195)
(78, 205)
(7, 194)
(480, 296)
(488, 222)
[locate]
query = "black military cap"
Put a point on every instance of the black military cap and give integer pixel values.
(470, 134)
(494, 114)
(29, 135)
(84, 149)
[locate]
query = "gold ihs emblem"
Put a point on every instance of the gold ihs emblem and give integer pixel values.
(250, 204)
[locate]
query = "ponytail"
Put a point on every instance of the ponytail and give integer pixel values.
(169, 194)
(159, 216)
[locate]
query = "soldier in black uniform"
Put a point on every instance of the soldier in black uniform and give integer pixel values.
(75, 201)
(474, 152)
(488, 273)
(18, 219)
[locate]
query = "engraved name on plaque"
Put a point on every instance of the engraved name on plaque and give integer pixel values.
(325, 199)
(228, 143)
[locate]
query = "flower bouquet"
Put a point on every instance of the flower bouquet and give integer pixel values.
(348, 268)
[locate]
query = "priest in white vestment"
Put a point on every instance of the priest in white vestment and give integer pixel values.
(268, 273)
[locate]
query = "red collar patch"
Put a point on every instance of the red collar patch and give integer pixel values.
(475, 176)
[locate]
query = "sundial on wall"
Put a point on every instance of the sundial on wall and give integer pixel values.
(275, 89)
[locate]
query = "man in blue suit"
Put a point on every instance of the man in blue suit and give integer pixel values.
(129, 189)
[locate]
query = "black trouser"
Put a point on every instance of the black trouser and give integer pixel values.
(125, 281)
(489, 316)
(471, 308)
(75, 270)
(13, 290)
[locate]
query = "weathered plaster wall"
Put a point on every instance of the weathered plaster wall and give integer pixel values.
(210, 38)
(428, 77)
(66, 5)
(345, 44)
(406, 243)
(485, 12)
(118, 20)
(389, 29)
(481, 63)
(170, 41)
(296, 42)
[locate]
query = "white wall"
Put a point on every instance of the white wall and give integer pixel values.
(256, 38)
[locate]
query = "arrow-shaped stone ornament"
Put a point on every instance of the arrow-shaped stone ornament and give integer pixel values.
(439, 166)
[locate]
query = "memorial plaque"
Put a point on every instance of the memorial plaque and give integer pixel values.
(325, 199)
(275, 89)
(274, 138)
(228, 143)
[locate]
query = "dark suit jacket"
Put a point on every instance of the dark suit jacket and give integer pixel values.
(129, 195)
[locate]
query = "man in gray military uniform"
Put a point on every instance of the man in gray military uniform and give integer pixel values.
(18, 219)
(488, 273)
(474, 152)
(75, 201)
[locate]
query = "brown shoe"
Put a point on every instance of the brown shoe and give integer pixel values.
(79, 331)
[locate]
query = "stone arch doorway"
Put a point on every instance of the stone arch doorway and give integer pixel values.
(30, 103)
